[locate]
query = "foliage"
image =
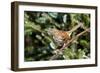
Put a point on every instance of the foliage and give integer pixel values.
(40, 46)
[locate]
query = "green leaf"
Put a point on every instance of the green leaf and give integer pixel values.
(80, 54)
(53, 46)
(68, 53)
(84, 43)
(53, 14)
(28, 31)
(65, 18)
(32, 26)
(41, 20)
(29, 59)
(29, 48)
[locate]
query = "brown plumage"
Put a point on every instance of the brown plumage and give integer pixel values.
(60, 37)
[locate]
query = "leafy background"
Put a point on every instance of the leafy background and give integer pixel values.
(39, 46)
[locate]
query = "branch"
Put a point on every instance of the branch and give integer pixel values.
(67, 44)
(80, 24)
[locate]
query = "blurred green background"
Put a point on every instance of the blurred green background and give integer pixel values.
(39, 46)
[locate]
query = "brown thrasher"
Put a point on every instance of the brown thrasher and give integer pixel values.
(61, 37)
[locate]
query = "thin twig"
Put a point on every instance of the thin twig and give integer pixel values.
(67, 44)
(80, 24)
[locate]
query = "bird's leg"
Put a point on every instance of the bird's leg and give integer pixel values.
(63, 46)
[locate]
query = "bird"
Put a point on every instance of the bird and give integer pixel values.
(61, 37)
